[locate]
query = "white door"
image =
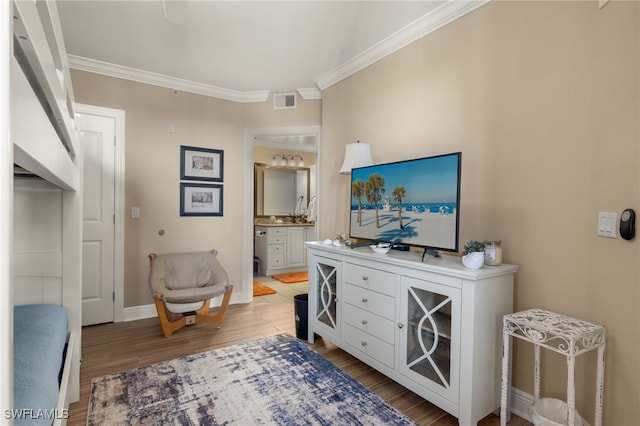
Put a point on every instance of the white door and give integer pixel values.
(98, 145)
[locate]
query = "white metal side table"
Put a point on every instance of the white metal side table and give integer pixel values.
(565, 335)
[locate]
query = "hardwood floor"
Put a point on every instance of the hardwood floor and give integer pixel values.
(115, 347)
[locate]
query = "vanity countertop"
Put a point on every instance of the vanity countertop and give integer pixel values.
(288, 224)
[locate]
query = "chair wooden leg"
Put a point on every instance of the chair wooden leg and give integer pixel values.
(203, 316)
(168, 326)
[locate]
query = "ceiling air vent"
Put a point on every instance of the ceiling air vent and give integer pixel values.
(284, 101)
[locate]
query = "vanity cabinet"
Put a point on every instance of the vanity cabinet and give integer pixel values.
(281, 248)
(432, 326)
(296, 238)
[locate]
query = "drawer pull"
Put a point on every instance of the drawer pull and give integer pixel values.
(365, 278)
(365, 300)
(363, 343)
(364, 322)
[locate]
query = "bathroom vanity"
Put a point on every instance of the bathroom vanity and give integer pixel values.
(281, 247)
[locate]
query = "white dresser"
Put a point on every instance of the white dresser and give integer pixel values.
(434, 326)
(280, 248)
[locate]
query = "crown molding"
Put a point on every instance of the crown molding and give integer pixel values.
(112, 70)
(443, 15)
(309, 93)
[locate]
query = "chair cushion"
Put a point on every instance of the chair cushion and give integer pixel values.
(188, 277)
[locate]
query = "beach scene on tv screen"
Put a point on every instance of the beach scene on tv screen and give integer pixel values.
(412, 202)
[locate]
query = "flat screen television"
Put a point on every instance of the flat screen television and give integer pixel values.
(408, 203)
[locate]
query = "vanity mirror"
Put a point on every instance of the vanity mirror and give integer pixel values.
(278, 189)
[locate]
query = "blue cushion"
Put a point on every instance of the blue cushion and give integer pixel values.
(39, 336)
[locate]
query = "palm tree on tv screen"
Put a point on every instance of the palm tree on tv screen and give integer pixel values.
(398, 194)
(373, 189)
(357, 190)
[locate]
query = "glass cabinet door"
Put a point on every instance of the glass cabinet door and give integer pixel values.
(326, 279)
(429, 337)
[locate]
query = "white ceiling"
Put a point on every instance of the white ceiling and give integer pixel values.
(244, 50)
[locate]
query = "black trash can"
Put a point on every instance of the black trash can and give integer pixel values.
(301, 312)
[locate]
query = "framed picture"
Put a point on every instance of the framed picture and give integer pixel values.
(201, 164)
(200, 199)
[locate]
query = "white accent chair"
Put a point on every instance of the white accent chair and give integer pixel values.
(183, 285)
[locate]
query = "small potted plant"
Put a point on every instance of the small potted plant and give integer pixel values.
(473, 254)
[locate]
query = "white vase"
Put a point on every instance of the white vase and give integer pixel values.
(473, 260)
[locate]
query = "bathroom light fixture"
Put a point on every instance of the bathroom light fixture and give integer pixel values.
(278, 160)
(356, 155)
(297, 161)
(282, 160)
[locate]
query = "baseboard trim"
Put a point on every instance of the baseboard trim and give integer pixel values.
(520, 403)
(140, 312)
(149, 311)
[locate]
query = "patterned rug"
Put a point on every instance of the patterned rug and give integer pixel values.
(260, 289)
(272, 381)
(292, 277)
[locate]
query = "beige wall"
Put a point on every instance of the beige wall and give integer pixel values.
(543, 101)
(152, 168)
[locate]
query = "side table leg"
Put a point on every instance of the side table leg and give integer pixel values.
(505, 390)
(536, 372)
(571, 389)
(600, 385)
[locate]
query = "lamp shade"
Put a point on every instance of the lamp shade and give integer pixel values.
(357, 155)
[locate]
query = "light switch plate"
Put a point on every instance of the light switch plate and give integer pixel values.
(135, 212)
(607, 224)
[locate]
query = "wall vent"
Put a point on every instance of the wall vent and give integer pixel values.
(284, 100)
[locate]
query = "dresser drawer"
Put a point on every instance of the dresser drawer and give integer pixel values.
(276, 260)
(370, 301)
(277, 248)
(369, 322)
(368, 344)
(373, 279)
(276, 231)
(276, 239)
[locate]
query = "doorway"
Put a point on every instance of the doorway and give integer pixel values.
(102, 135)
(281, 139)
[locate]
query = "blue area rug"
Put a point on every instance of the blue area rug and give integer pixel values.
(272, 381)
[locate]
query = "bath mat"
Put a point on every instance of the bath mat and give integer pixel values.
(292, 277)
(260, 289)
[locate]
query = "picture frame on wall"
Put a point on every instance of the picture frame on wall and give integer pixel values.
(201, 199)
(201, 164)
